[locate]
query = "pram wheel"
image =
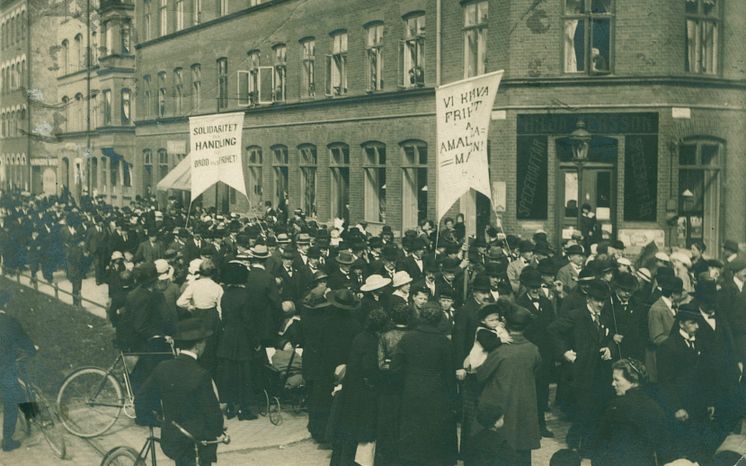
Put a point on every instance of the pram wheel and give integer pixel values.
(275, 411)
(264, 409)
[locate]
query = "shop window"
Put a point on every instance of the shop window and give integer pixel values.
(475, 38)
(374, 53)
(255, 164)
(339, 162)
(336, 65)
(703, 30)
(308, 169)
(280, 174)
(640, 177)
(532, 178)
(308, 81)
(414, 183)
(587, 38)
(699, 192)
(412, 52)
(374, 166)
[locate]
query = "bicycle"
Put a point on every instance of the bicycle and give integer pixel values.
(38, 412)
(91, 399)
(123, 455)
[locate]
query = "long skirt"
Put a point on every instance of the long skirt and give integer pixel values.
(209, 359)
(235, 384)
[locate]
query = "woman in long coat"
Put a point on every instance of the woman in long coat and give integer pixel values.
(314, 312)
(358, 402)
(236, 345)
(427, 435)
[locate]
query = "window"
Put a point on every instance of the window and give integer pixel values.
(280, 73)
(414, 183)
(699, 192)
(222, 83)
(475, 39)
(336, 65)
(280, 171)
(94, 48)
(179, 23)
(374, 54)
(65, 57)
(196, 87)
(339, 164)
(65, 113)
(109, 36)
(146, 20)
(114, 171)
(147, 173)
(78, 52)
(197, 12)
(587, 36)
(703, 25)
(79, 113)
(163, 15)
(104, 172)
(126, 107)
(178, 91)
(222, 7)
(124, 35)
(162, 163)
(147, 96)
(94, 109)
(248, 81)
(107, 107)
(308, 167)
(162, 94)
(412, 52)
(255, 163)
(374, 165)
(255, 2)
(308, 64)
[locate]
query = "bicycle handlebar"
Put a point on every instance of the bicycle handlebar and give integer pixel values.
(224, 437)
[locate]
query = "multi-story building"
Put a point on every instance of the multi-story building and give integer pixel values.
(635, 108)
(95, 65)
(27, 98)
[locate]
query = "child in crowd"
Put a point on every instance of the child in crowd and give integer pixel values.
(490, 334)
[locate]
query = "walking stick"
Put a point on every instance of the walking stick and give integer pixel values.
(616, 329)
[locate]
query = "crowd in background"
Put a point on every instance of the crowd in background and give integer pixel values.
(425, 348)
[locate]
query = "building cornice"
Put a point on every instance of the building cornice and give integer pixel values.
(590, 81)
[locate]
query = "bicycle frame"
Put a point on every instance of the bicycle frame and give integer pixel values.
(149, 447)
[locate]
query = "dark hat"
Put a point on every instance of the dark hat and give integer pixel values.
(169, 254)
(314, 252)
(547, 267)
(531, 278)
(738, 264)
(598, 289)
(417, 244)
(450, 265)
(192, 329)
(146, 273)
(489, 309)
(688, 311)
(672, 285)
(234, 273)
(542, 248)
(375, 242)
(446, 291)
(345, 257)
(574, 249)
(705, 292)
(303, 238)
(319, 275)
(390, 253)
(517, 317)
(431, 267)
(730, 245)
(618, 244)
(625, 281)
(481, 283)
(526, 246)
(495, 269)
(288, 253)
(663, 273)
(714, 263)
(495, 254)
(344, 299)
(586, 275)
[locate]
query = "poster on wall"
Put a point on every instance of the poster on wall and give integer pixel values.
(215, 151)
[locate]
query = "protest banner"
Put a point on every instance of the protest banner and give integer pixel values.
(462, 121)
(215, 151)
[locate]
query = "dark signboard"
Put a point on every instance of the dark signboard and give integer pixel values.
(533, 176)
(640, 177)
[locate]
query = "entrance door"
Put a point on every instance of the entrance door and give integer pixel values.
(592, 184)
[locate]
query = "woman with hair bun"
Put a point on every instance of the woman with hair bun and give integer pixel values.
(633, 430)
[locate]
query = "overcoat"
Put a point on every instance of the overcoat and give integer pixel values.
(265, 303)
(239, 337)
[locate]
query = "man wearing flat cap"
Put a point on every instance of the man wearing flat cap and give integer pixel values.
(583, 340)
(185, 390)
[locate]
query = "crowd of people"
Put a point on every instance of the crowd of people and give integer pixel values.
(421, 349)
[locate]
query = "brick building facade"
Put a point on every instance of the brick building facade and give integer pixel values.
(339, 107)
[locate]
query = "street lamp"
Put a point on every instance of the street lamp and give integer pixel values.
(580, 140)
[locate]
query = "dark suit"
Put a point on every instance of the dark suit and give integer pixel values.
(185, 390)
(465, 326)
(292, 284)
(149, 252)
(409, 265)
(97, 243)
(265, 299)
(122, 244)
(629, 320)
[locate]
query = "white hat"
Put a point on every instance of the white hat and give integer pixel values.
(401, 278)
(116, 255)
(624, 261)
(682, 257)
(644, 275)
(164, 270)
(194, 266)
(662, 256)
(375, 282)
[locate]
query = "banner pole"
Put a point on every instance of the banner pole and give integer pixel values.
(189, 209)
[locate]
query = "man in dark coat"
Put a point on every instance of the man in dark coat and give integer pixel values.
(627, 318)
(13, 340)
(414, 264)
(77, 267)
(732, 303)
(185, 390)
(583, 341)
(150, 250)
(262, 287)
(97, 244)
(124, 240)
(342, 276)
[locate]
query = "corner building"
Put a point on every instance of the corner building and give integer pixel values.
(634, 107)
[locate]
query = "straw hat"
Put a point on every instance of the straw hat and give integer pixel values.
(374, 282)
(401, 278)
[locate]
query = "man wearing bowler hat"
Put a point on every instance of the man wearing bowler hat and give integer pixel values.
(627, 318)
(569, 273)
(582, 340)
(661, 318)
(526, 250)
(342, 276)
(185, 390)
(265, 310)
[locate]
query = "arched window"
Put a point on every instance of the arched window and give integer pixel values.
(374, 165)
(78, 52)
(308, 168)
(65, 57)
(280, 173)
(79, 113)
(65, 113)
(147, 176)
(255, 162)
(414, 183)
(339, 165)
(126, 106)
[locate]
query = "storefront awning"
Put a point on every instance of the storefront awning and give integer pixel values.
(109, 152)
(178, 178)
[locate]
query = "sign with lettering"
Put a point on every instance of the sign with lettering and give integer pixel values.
(640, 178)
(532, 177)
(463, 110)
(215, 150)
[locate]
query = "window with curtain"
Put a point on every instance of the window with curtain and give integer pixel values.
(588, 32)
(125, 38)
(280, 174)
(339, 165)
(699, 192)
(147, 170)
(412, 52)
(374, 54)
(196, 87)
(308, 63)
(475, 38)
(414, 183)
(178, 91)
(222, 83)
(126, 107)
(336, 65)
(308, 168)
(255, 163)
(107, 107)
(703, 30)
(374, 166)
(280, 72)
(162, 163)
(162, 94)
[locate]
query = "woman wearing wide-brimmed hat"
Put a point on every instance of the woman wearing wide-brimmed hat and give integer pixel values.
(402, 283)
(374, 296)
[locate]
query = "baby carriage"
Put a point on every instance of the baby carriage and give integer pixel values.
(283, 382)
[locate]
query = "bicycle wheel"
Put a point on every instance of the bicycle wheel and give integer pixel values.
(89, 402)
(48, 421)
(122, 456)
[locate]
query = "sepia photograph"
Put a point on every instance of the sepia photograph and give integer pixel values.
(373, 232)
